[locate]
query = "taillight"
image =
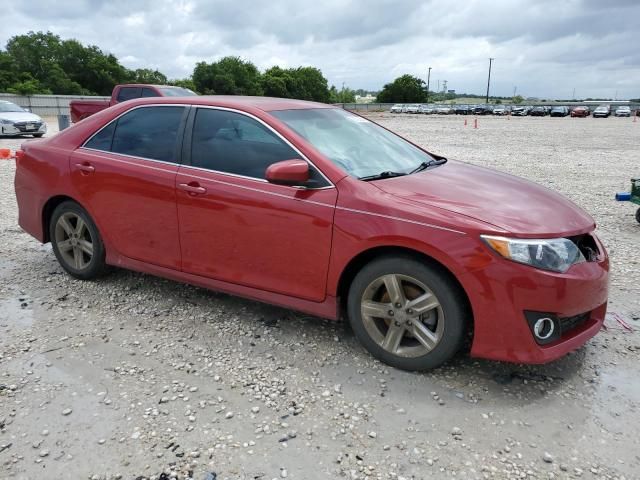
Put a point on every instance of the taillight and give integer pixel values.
(19, 154)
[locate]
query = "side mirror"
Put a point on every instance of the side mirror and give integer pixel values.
(288, 172)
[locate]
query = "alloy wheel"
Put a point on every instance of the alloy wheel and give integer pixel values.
(73, 240)
(402, 315)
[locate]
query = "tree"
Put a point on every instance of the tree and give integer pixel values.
(228, 76)
(404, 89)
(345, 95)
(518, 99)
(146, 75)
(184, 83)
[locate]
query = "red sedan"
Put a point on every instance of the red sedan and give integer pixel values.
(314, 208)
(580, 112)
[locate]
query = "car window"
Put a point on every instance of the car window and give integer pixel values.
(102, 140)
(149, 92)
(149, 132)
(127, 93)
(235, 143)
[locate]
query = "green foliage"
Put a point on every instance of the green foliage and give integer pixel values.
(404, 89)
(146, 75)
(59, 66)
(518, 99)
(228, 76)
(345, 95)
(184, 83)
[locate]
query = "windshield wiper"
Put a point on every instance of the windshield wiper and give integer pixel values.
(378, 176)
(427, 164)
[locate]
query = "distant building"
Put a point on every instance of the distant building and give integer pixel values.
(365, 99)
(451, 91)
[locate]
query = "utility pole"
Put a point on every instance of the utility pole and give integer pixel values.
(515, 89)
(438, 86)
(444, 86)
(573, 95)
(489, 78)
(428, 80)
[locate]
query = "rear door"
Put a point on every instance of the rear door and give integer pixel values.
(125, 177)
(237, 227)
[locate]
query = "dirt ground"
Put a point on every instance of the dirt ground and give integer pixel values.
(138, 377)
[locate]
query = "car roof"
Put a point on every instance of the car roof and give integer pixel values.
(266, 104)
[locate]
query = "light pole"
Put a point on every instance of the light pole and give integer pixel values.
(489, 78)
(428, 80)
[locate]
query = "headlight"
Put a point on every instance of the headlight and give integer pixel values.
(555, 254)
(5, 122)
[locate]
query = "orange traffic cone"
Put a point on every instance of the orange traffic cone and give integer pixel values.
(465, 122)
(5, 154)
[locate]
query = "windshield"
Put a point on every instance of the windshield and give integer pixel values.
(10, 107)
(358, 146)
(177, 92)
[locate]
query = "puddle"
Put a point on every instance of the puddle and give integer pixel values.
(16, 312)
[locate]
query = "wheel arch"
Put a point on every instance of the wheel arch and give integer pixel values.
(363, 258)
(47, 211)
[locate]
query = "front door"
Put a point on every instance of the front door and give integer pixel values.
(237, 227)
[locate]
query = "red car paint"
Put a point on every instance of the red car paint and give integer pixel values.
(291, 246)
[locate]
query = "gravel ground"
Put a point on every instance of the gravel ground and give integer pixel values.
(138, 377)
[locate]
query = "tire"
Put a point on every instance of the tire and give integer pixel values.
(638, 215)
(403, 339)
(38, 135)
(76, 242)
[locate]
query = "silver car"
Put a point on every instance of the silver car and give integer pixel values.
(623, 111)
(412, 108)
(397, 108)
(15, 120)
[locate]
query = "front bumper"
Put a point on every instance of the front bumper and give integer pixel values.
(23, 128)
(502, 293)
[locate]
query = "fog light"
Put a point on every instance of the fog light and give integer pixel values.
(543, 328)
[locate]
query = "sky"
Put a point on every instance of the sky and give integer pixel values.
(542, 48)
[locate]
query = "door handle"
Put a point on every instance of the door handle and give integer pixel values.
(192, 188)
(85, 167)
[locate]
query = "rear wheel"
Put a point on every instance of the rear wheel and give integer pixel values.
(38, 135)
(638, 215)
(406, 313)
(76, 241)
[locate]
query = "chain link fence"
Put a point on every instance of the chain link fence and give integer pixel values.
(46, 105)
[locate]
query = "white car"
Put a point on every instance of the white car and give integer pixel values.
(444, 110)
(623, 111)
(15, 120)
(397, 108)
(413, 108)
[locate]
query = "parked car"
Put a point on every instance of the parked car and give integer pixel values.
(559, 111)
(310, 207)
(602, 111)
(623, 111)
(397, 108)
(81, 109)
(580, 112)
(482, 110)
(461, 109)
(412, 108)
(16, 121)
(444, 110)
(500, 110)
(520, 110)
(426, 109)
(538, 111)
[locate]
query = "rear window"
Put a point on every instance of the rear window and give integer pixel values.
(128, 93)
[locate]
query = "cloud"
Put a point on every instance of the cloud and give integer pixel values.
(544, 48)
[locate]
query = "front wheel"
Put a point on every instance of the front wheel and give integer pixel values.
(638, 215)
(406, 313)
(38, 135)
(76, 241)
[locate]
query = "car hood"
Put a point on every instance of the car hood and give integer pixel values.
(510, 203)
(20, 116)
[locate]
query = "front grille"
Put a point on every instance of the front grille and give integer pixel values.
(22, 126)
(569, 323)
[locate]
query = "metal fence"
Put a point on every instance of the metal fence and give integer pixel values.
(46, 105)
(385, 107)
